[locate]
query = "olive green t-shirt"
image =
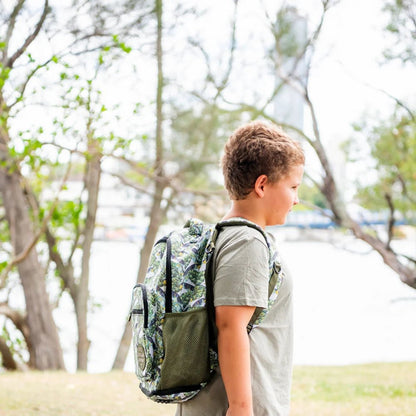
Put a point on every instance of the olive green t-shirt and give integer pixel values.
(241, 278)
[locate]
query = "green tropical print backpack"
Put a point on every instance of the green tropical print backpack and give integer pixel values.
(173, 316)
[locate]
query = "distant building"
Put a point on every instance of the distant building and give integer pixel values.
(289, 104)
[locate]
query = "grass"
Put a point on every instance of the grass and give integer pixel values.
(372, 389)
(364, 390)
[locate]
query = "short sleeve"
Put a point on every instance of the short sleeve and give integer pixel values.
(242, 269)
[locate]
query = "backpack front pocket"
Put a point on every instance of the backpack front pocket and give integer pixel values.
(185, 339)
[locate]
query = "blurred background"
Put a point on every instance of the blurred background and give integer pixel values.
(113, 115)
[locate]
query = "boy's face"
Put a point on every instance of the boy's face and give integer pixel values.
(281, 196)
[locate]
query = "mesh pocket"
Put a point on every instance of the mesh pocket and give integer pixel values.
(141, 345)
(185, 339)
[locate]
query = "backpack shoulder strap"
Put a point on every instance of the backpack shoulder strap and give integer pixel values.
(239, 222)
(242, 222)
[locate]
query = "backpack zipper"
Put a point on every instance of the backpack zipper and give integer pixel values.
(141, 311)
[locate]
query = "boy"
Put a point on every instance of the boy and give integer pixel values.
(262, 169)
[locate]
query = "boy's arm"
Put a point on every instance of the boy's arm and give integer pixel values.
(234, 357)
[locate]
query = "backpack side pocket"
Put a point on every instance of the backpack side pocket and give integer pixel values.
(139, 316)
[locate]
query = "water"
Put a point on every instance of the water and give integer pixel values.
(349, 308)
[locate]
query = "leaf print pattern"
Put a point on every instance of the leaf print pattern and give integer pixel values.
(188, 264)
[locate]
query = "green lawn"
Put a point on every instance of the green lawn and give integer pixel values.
(373, 390)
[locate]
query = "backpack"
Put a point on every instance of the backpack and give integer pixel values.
(173, 314)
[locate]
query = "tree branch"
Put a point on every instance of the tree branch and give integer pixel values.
(26, 82)
(18, 319)
(20, 322)
(406, 274)
(10, 27)
(66, 271)
(227, 74)
(391, 221)
(411, 259)
(176, 189)
(30, 38)
(405, 190)
(399, 102)
(8, 361)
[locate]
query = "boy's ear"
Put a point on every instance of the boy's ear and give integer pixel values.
(261, 181)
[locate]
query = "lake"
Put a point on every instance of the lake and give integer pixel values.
(349, 307)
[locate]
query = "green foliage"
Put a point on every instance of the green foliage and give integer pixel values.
(119, 44)
(68, 214)
(198, 135)
(402, 26)
(3, 265)
(4, 75)
(393, 149)
(311, 195)
(26, 150)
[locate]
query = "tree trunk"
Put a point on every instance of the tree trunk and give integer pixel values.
(157, 212)
(92, 184)
(20, 322)
(156, 219)
(46, 352)
(8, 361)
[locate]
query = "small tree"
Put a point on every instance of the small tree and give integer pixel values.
(32, 158)
(392, 149)
(42, 337)
(392, 154)
(182, 154)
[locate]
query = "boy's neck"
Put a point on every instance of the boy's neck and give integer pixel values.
(247, 209)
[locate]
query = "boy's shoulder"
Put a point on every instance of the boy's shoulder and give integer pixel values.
(242, 234)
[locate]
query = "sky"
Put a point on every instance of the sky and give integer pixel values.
(346, 82)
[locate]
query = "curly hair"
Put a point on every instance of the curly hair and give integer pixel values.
(254, 149)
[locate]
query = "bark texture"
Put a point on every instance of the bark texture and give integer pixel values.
(45, 349)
